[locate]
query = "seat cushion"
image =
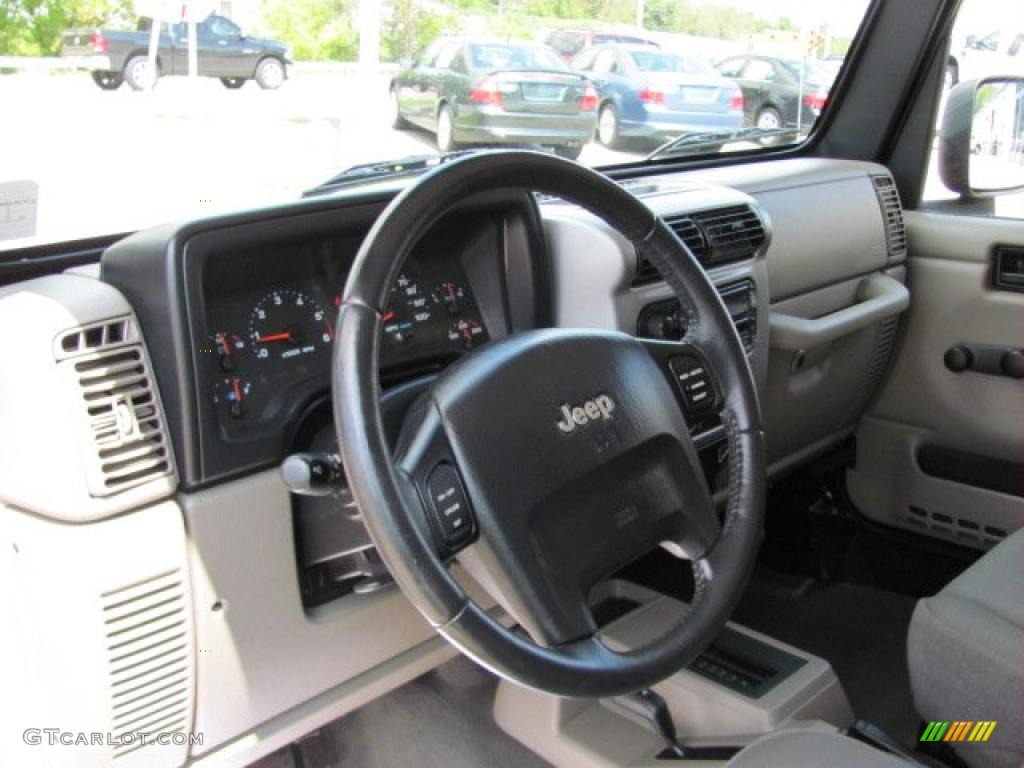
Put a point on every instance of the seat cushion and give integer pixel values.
(966, 654)
(806, 748)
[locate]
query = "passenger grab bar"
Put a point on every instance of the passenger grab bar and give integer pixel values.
(878, 297)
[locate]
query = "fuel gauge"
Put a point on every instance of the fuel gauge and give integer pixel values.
(231, 396)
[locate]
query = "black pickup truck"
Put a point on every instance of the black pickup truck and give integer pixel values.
(114, 56)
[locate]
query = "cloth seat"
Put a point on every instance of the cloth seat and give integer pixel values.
(966, 654)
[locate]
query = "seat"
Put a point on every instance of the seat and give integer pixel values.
(808, 748)
(966, 654)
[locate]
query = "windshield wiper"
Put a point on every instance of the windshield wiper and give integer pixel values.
(413, 165)
(696, 143)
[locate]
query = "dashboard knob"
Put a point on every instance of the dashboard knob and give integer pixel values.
(958, 358)
(1012, 364)
(313, 474)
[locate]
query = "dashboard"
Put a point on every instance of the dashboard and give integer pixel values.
(252, 300)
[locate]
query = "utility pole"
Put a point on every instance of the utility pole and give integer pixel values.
(640, 13)
(369, 35)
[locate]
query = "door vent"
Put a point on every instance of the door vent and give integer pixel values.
(892, 214)
(715, 237)
(127, 443)
(962, 530)
(149, 658)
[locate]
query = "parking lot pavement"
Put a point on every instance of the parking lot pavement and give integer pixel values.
(116, 161)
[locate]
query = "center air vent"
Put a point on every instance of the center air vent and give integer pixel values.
(128, 446)
(715, 237)
(892, 214)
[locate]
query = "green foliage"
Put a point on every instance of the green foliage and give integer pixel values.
(35, 27)
(408, 28)
(320, 30)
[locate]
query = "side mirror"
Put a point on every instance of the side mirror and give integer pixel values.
(981, 143)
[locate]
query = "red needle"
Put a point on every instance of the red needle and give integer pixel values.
(388, 316)
(224, 344)
(238, 390)
(283, 336)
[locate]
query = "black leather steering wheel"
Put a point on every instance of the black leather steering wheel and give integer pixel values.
(547, 460)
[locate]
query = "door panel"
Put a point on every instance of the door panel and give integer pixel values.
(936, 444)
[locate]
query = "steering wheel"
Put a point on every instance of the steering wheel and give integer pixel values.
(545, 461)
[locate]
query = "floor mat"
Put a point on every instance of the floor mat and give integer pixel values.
(860, 630)
(443, 718)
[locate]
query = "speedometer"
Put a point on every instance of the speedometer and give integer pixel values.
(287, 323)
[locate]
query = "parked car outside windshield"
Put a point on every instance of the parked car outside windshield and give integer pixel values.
(649, 94)
(780, 93)
(492, 92)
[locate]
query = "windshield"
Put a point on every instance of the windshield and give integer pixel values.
(118, 118)
(656, 61)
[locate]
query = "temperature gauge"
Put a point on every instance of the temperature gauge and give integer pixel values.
(231, 396)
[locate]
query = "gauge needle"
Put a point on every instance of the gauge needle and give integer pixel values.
(283, 336)
(238, 390)
(387, 316)
(224, 344)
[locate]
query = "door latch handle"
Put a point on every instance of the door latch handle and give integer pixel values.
(1008, 270)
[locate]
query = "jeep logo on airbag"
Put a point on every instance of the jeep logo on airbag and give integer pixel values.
(573, 416)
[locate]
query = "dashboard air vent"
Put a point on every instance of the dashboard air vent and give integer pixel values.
(892, 214)
(128, 444)
(719, 236)
(149, 652)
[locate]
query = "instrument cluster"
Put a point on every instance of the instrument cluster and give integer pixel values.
(269, 336)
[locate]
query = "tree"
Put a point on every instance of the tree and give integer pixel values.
(36, 27)
(321, 30)
(409, 27)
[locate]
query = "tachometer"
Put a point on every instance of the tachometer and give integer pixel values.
(286, 324)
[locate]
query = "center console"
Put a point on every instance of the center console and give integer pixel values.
(743, 686)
